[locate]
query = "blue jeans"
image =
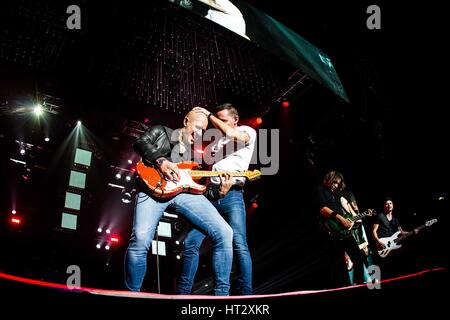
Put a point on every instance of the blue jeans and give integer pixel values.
(201, 213)
(232, 208)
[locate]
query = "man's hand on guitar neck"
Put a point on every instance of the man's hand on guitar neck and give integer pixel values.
(168, 169)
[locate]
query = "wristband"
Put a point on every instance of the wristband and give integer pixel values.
(333, 215)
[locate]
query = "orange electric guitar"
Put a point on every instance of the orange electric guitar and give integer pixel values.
(163, 188)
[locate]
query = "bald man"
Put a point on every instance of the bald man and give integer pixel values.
(161, 147)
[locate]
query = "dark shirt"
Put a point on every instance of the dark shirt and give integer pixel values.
(386, 228)
(325, 198)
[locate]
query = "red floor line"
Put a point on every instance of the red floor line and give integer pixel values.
(193, 297)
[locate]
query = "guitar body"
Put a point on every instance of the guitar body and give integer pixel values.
(162, 188)
(390, 244)
(337, 230)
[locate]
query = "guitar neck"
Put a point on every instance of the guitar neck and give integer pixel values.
(406, 235)
(361, 215)
(199, 173)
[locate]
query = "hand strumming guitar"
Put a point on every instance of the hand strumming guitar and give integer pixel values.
(225, 184)
(344, 222)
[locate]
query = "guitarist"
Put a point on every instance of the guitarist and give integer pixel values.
(159, 146)
(329, 207)
(238, 142)
(385, 225)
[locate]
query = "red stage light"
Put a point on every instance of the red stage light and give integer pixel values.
(199, 151)
(254, 205)
(259, 120)
(16, 220)
(285, 104)
(114, 239)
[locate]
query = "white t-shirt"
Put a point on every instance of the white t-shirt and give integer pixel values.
(233, 156)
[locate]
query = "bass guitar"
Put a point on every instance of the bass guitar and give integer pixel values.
(393, 242)
(160, 187)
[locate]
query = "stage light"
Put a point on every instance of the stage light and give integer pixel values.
(259, 120)
(178, 257)
(177, 242)
(285, 104)
(16, 220)
(107, 247)
(108, 231)
(98, 246)
(255, 205)
(78, 123)
(115, 239)
(99, 230)
(118, 176)
(199, 151)
(126, 196)
(47, 139)
(38, 110)
(130, 161)
(22, 151)
(13, 211)
(128, 178)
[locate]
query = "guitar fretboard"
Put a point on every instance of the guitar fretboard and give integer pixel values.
(199, 173)
(361, 215)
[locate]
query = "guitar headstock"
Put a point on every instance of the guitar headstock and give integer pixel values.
(252, 175)
(430, 222)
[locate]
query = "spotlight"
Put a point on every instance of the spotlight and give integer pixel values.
(13, 211)
(98, 246)
(178, 257)
(255, 205)
(16, 221)
(78, 123)
(47, 139)
(108, 231)
(285, 104)
(259, 120)
(107, 247)
(128, 178)
(130, 161)
(115, 239)
(177, 242)
(22, 151)
(118, 176)
(38, 110)
(99, 229)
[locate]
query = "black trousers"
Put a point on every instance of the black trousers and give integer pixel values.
(339, 272)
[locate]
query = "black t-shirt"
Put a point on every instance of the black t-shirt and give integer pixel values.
(386, 228)
(324, 198)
